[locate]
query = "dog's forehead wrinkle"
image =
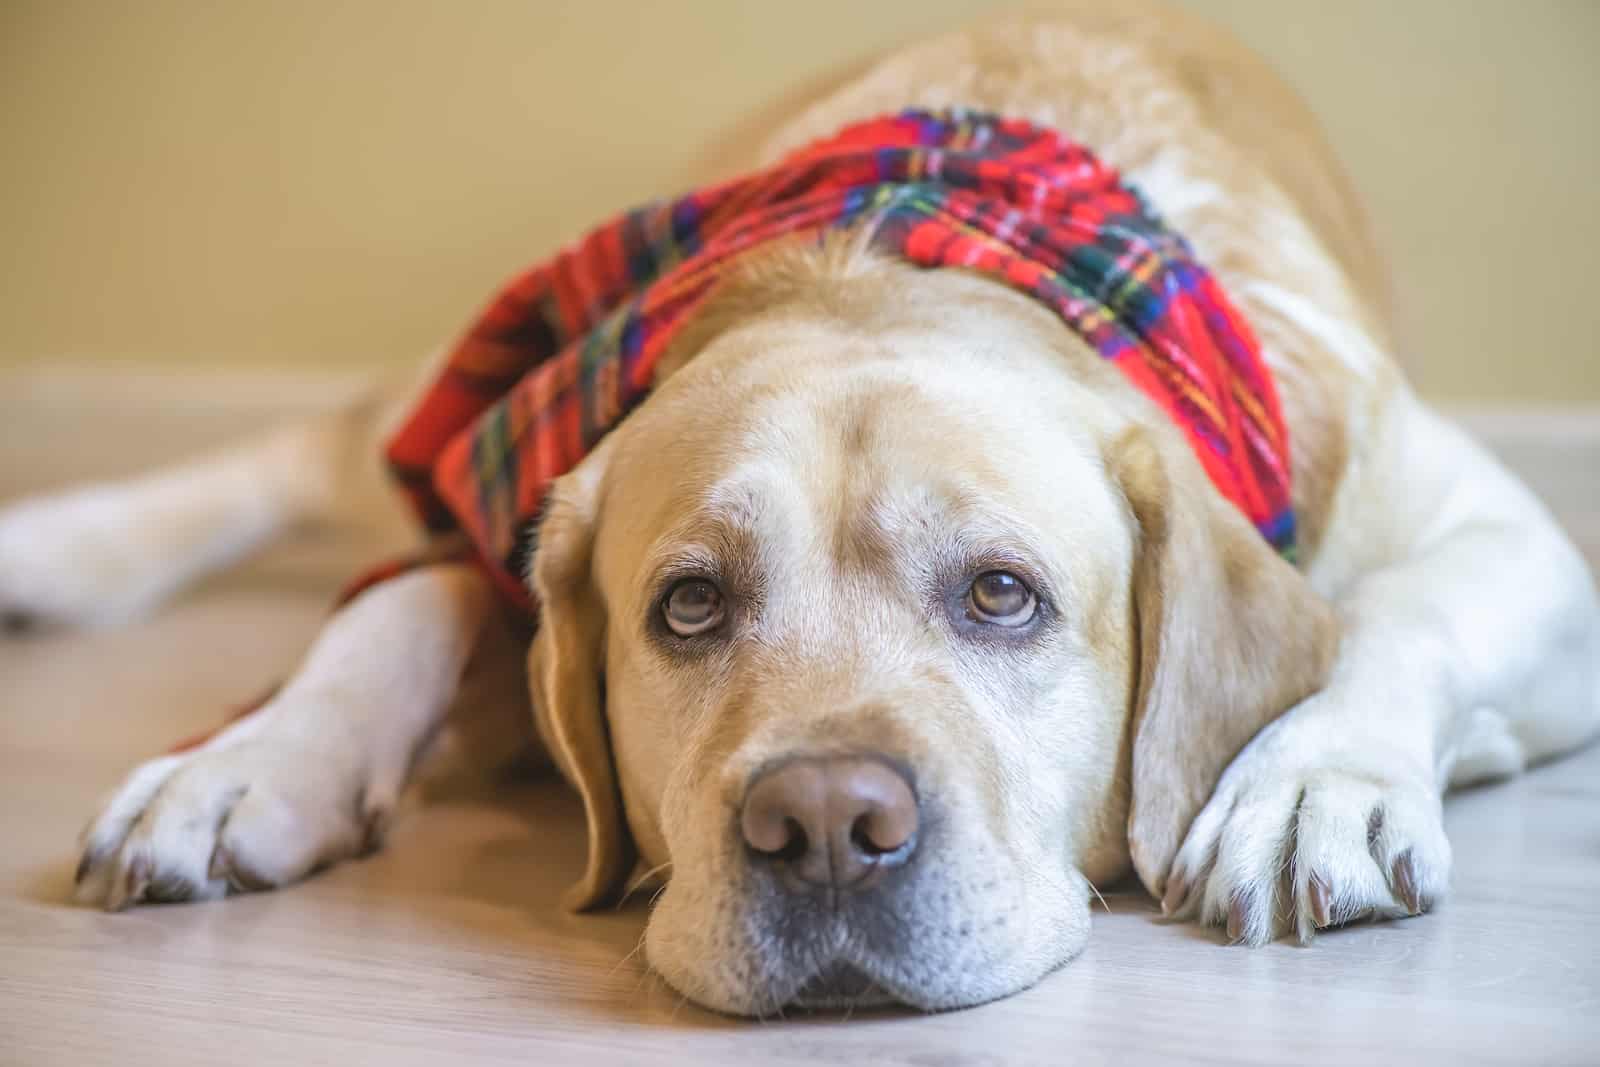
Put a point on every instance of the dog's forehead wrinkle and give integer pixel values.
(731, 516)
(738, 497)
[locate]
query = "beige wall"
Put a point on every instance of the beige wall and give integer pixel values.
(315, 182)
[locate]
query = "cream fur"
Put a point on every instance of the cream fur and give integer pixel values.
(1442, 627)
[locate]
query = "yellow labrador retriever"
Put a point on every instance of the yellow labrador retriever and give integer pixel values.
(854, 797)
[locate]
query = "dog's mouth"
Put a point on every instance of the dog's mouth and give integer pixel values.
(842, 985)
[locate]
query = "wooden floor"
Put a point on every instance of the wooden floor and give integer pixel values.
(450, 946)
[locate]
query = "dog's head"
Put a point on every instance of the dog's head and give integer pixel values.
(892, 621)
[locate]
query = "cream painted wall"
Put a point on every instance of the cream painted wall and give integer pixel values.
(323, 183)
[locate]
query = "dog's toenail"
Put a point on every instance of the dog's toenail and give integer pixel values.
(134, 882)
(1405, 882)
(221, 864)
(1236, 910)
(1320, 899)
(376, 827)
(1177, 892)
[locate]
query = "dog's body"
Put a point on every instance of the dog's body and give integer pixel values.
(1439, 628)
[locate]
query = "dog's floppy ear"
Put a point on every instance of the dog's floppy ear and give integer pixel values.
(1230, 636)
(565, 668)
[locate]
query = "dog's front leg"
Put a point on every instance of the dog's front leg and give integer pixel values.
(1471, 647)
(311, 777)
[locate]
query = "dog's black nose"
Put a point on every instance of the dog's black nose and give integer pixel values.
(831, 821)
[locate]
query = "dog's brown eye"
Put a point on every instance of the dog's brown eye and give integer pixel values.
(1001, 598)
(692, 607)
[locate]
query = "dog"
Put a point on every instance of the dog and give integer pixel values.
(881, 667)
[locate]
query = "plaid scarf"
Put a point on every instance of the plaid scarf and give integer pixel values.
(568, 348)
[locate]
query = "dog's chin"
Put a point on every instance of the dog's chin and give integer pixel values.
(842, 987)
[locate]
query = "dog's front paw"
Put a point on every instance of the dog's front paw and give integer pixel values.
(1291, 841)
(259, 806)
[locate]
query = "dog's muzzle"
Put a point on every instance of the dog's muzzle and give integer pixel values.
(829, 839)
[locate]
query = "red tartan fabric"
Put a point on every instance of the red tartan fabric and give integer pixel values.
(570, 346)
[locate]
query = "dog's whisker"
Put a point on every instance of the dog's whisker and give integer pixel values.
(639, 881)
(632, 953)
(645, 975)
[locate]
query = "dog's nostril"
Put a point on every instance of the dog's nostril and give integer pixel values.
(879, 833)
(795, 845)
(777, 811)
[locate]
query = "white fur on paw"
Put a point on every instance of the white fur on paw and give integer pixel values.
(1302, 844)
(78, 558)
(253, 809)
